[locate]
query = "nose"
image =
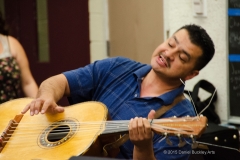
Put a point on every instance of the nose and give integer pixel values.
(171, 53)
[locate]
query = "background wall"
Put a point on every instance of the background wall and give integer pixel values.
(98, 23)
(176, 14)
(135, 28)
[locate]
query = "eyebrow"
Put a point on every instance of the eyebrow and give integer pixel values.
(186, 53)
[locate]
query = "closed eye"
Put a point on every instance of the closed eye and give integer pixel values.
(170, 45)
(183, 57)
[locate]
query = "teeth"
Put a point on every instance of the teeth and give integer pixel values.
(161, 58)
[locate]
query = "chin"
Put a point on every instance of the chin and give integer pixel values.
(152, 62)
(154, 66)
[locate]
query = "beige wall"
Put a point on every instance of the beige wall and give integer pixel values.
(135, 28)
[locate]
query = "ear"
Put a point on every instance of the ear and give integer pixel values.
(192, 74)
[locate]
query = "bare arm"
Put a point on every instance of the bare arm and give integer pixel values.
(28, 83)
(54, 87)
(50, 92)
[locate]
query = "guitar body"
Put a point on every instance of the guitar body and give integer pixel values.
(31, 140)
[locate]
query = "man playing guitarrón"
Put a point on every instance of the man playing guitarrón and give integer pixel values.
(132, 91)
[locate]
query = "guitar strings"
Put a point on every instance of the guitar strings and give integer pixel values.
(110, 126)
(190, 99)
(117, 123)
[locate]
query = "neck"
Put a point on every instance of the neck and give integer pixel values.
(119, 126)
(153, 85)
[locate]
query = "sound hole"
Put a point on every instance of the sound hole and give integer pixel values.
(58, 133)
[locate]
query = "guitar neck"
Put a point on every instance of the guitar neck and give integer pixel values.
(185, 126)
(116, 127)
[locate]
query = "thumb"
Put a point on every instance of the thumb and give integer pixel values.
(58, 109)
(151, 114)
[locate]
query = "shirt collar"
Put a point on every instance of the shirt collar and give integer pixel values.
(143, 71)
(168, 97)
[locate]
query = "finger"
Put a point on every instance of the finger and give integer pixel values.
(130, 127)
(146, 123)
(58, 109)
(133, 127)
(147, 127)
(46, 106)
(37, 106)
(32, 108)
(140, 126)
(25, 109)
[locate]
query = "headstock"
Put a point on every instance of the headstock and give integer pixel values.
(184, 126)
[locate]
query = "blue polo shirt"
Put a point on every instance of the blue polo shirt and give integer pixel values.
(116, 82)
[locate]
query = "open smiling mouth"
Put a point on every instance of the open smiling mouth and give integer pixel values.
(163, 59)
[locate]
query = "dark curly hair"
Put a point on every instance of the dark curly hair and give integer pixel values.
(200, 37)
(3, 26)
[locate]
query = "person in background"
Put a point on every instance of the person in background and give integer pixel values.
(15, 74)
(132, 90)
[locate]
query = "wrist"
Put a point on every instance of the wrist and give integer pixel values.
(142, 153)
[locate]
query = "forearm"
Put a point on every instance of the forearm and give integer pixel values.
(54, 87)
(49, 93)
(142, 154)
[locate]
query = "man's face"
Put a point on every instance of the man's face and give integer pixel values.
(176, 57)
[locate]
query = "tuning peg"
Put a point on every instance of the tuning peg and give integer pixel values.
(194, 143)
(169, 142)
(181, 142)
